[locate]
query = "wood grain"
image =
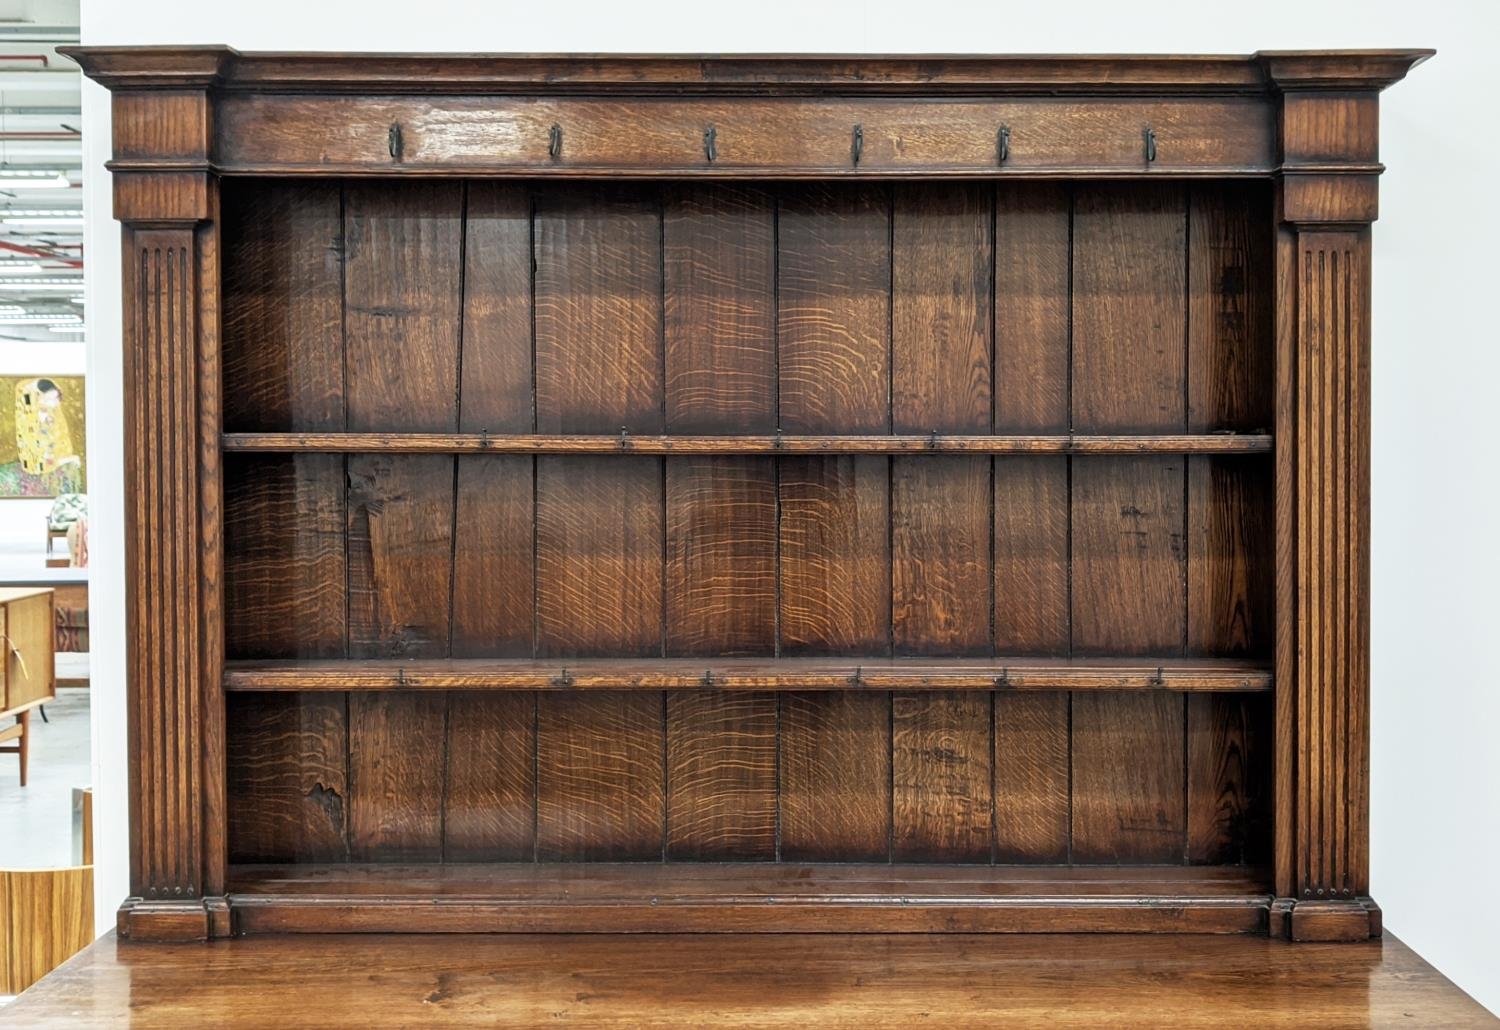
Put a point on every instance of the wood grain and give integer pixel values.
(598, 311)
(489, 791)
(1150, 673)
(721, 556)
(46, 917)
(719, 263)
(495, 378)
(838, 980)
(1129, 285)
(941, 323)
(1228, 780)
(599, 561)
(282, 319)
(835, 556)
(1033, 263)
(721, 776)
(493, 581)
(402, 272)
(1128, 786)
(1128, 556)
(1032, 556)
(940, 556)
(941, 777)
(1033, 812)
(400, 542)
(833, 312)
(600, 787)
(835, 777)
(1230, 557)
(287, 784)
(284, 560)
(747, 444)
(1230, 322)
(396, 747)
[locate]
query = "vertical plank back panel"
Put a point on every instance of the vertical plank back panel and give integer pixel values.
(284, 582)
(835, 777)
(721, 776)
(835, 555)
(1033, 813)
(598, 311)
(834, 308)
(402, 277)
(489, 795)
(396, 772)
(1033, 323)
(1033, 268)
(495, 380)
(600, 788)
(1230, 320)
(940, 555)
(600, 521)
(400, 541)
(1129, 282)
(719, 261)
(288, 796)
(283, 306)
(941, 778)
(1128, 555)
(1228, 779)
(721, 556)
(833, 329)
(1032, 555)
(1230, 558)
(941, 292)
(1128, 778)
(599, 556)
(493, 577)
(1128, 516)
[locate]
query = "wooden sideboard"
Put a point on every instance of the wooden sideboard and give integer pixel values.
(27, 679)
(747, 493)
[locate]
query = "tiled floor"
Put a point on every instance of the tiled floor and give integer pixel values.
(38, 818)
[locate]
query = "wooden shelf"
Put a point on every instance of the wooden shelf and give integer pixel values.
(1179, 674)
(625, 443)
(730, 896)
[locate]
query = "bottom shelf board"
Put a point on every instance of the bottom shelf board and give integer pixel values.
(746, 897)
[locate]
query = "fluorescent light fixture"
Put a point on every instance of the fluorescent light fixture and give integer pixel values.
(65, 328)
(40, 320)
(36, 285)
(11, 309)
(42, 220)
(33, 179)
(19, 267)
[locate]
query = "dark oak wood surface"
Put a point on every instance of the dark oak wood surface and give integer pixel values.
(694, 461)
(747, 981)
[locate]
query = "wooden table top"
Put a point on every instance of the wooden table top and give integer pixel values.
(375, 981)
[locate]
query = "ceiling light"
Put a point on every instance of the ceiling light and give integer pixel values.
(30, 285)
(33, 179)
(42, 220)
(40, 320)
(65, 328)
(19, 267)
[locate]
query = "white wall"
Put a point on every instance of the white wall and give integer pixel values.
(1436, 775)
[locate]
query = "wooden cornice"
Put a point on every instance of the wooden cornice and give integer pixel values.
(223, 68)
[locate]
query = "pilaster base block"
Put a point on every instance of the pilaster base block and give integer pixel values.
(198, 919)
(1355, 920)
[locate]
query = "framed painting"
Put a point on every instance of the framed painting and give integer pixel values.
(41, 436)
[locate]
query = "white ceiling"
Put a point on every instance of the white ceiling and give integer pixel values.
(41, 230)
